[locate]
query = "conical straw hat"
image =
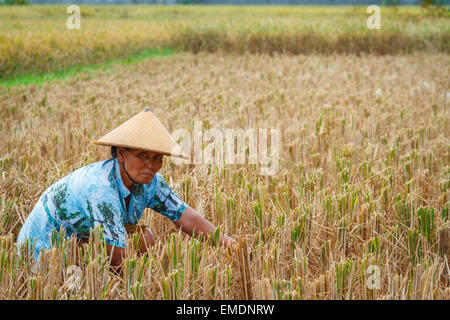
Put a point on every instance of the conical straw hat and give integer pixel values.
(143, 132)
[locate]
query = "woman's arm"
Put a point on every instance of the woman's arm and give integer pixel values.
(192, 223)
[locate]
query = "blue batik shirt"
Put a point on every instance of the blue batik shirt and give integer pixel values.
(95, 196)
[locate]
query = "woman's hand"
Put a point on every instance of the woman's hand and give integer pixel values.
(229, 242)
(192, 223)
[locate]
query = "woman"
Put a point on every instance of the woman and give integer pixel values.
(114, 193)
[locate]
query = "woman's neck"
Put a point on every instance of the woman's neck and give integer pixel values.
(125, 179)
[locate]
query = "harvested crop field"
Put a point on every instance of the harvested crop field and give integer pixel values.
(357, 207)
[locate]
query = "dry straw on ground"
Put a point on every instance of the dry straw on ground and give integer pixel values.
(363, 179)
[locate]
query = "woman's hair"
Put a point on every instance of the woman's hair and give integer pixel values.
(114, 151)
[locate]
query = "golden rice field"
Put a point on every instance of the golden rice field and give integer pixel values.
(358, 208)
(35, 39)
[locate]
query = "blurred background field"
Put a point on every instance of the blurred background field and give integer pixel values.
(35, 39)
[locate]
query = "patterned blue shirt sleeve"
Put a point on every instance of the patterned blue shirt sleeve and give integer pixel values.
(165, 201)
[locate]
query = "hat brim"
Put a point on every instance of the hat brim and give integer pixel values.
(180, 155)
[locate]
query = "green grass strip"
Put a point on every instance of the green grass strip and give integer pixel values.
(34, 78)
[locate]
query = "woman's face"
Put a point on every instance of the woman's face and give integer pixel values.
(142, 166)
